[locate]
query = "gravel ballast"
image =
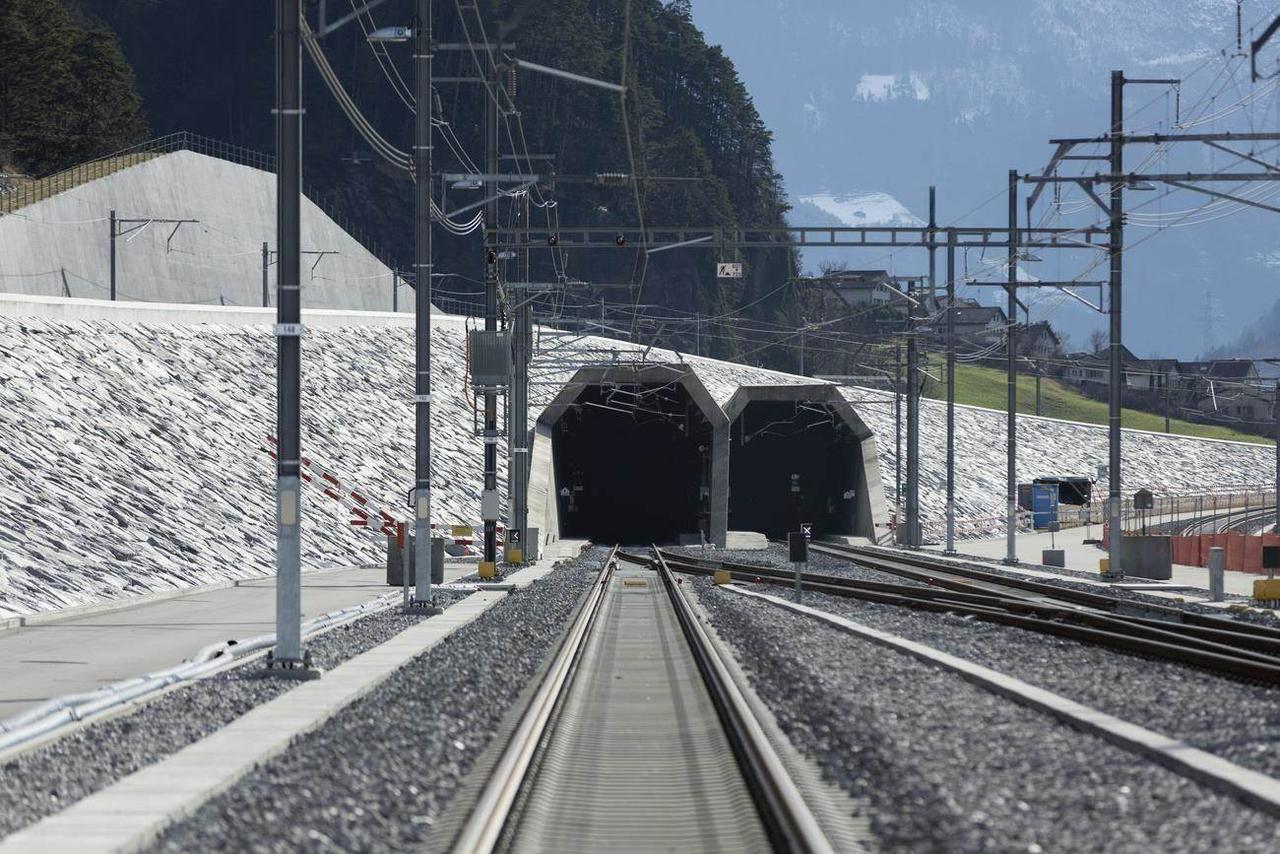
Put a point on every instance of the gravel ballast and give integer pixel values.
(378, 774)
(51, 778)
(949, 766)
(1235, 719)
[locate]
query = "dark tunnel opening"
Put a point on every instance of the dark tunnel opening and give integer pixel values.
(792, 462)
(632, 465)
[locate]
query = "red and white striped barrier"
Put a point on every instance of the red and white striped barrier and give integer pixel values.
(366, 515)
(363, 513)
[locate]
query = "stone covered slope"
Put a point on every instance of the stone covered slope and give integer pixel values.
(135, 455)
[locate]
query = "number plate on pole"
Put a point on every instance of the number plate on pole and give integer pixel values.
(729, 270)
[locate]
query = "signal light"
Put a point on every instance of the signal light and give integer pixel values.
(490, 256)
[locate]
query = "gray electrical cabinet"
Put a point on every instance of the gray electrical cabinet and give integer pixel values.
(489, 353)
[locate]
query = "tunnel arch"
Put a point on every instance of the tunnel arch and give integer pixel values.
(800, 453)
(628, 451)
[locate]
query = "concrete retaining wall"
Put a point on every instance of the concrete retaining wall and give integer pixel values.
(60, 246)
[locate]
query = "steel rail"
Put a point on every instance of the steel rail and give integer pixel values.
(946, 573)
(484, 827)
(1207, 639)
(786, 817)
(1134, 635)
(1223, 631)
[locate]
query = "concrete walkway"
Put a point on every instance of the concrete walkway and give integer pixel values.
(85, 652)
(131, 813)
(1083, 557)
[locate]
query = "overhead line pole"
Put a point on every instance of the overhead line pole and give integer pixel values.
(913, 426)
(1115, 380)
(897, 438)
(518, 435)
(1011, 347)
(913, 389)
(951, 391)
(288, 653)
(423, 267)
(489, 498)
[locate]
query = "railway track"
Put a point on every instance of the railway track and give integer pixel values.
(1230, 647)
(1241, 521)
(638, 738)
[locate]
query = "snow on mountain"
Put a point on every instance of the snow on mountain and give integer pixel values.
(883, 87)
(854, 209)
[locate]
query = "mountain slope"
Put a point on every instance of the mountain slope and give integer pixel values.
(690, 117)
(864, 96)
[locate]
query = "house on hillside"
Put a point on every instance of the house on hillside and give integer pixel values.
(1150, 375)
(861, 288)
(979, 324)
(872, 289)
(1039, 341)
(1230, 389)
(1227, 370)
(975, 325)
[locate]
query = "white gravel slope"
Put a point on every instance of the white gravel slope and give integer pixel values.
(1047, 447)
(135, 456)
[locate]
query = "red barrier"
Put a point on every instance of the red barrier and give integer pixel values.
(1186, 550)
(1235, 551)
(1252, 554)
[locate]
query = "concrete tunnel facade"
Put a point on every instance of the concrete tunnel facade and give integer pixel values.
(630, 453)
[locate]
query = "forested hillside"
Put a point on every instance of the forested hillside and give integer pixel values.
(690, 116)
(66, 93)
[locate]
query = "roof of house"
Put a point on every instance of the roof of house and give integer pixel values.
(1043, 326)
(858, 278)
(1219, 368)
(979, 314)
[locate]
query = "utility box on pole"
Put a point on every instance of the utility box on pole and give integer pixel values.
(489, 352)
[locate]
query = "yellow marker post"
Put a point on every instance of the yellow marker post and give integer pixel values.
(486, 570)
(722, 576)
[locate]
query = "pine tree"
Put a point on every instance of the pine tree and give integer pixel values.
(66, 92)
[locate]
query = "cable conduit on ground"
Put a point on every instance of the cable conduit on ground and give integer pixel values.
(64, 711)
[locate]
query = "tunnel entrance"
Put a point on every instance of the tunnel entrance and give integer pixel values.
(632, 464)
(792, 462)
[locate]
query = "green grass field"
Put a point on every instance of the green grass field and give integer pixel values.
(982, 386)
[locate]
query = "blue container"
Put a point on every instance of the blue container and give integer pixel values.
(1044, 505)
